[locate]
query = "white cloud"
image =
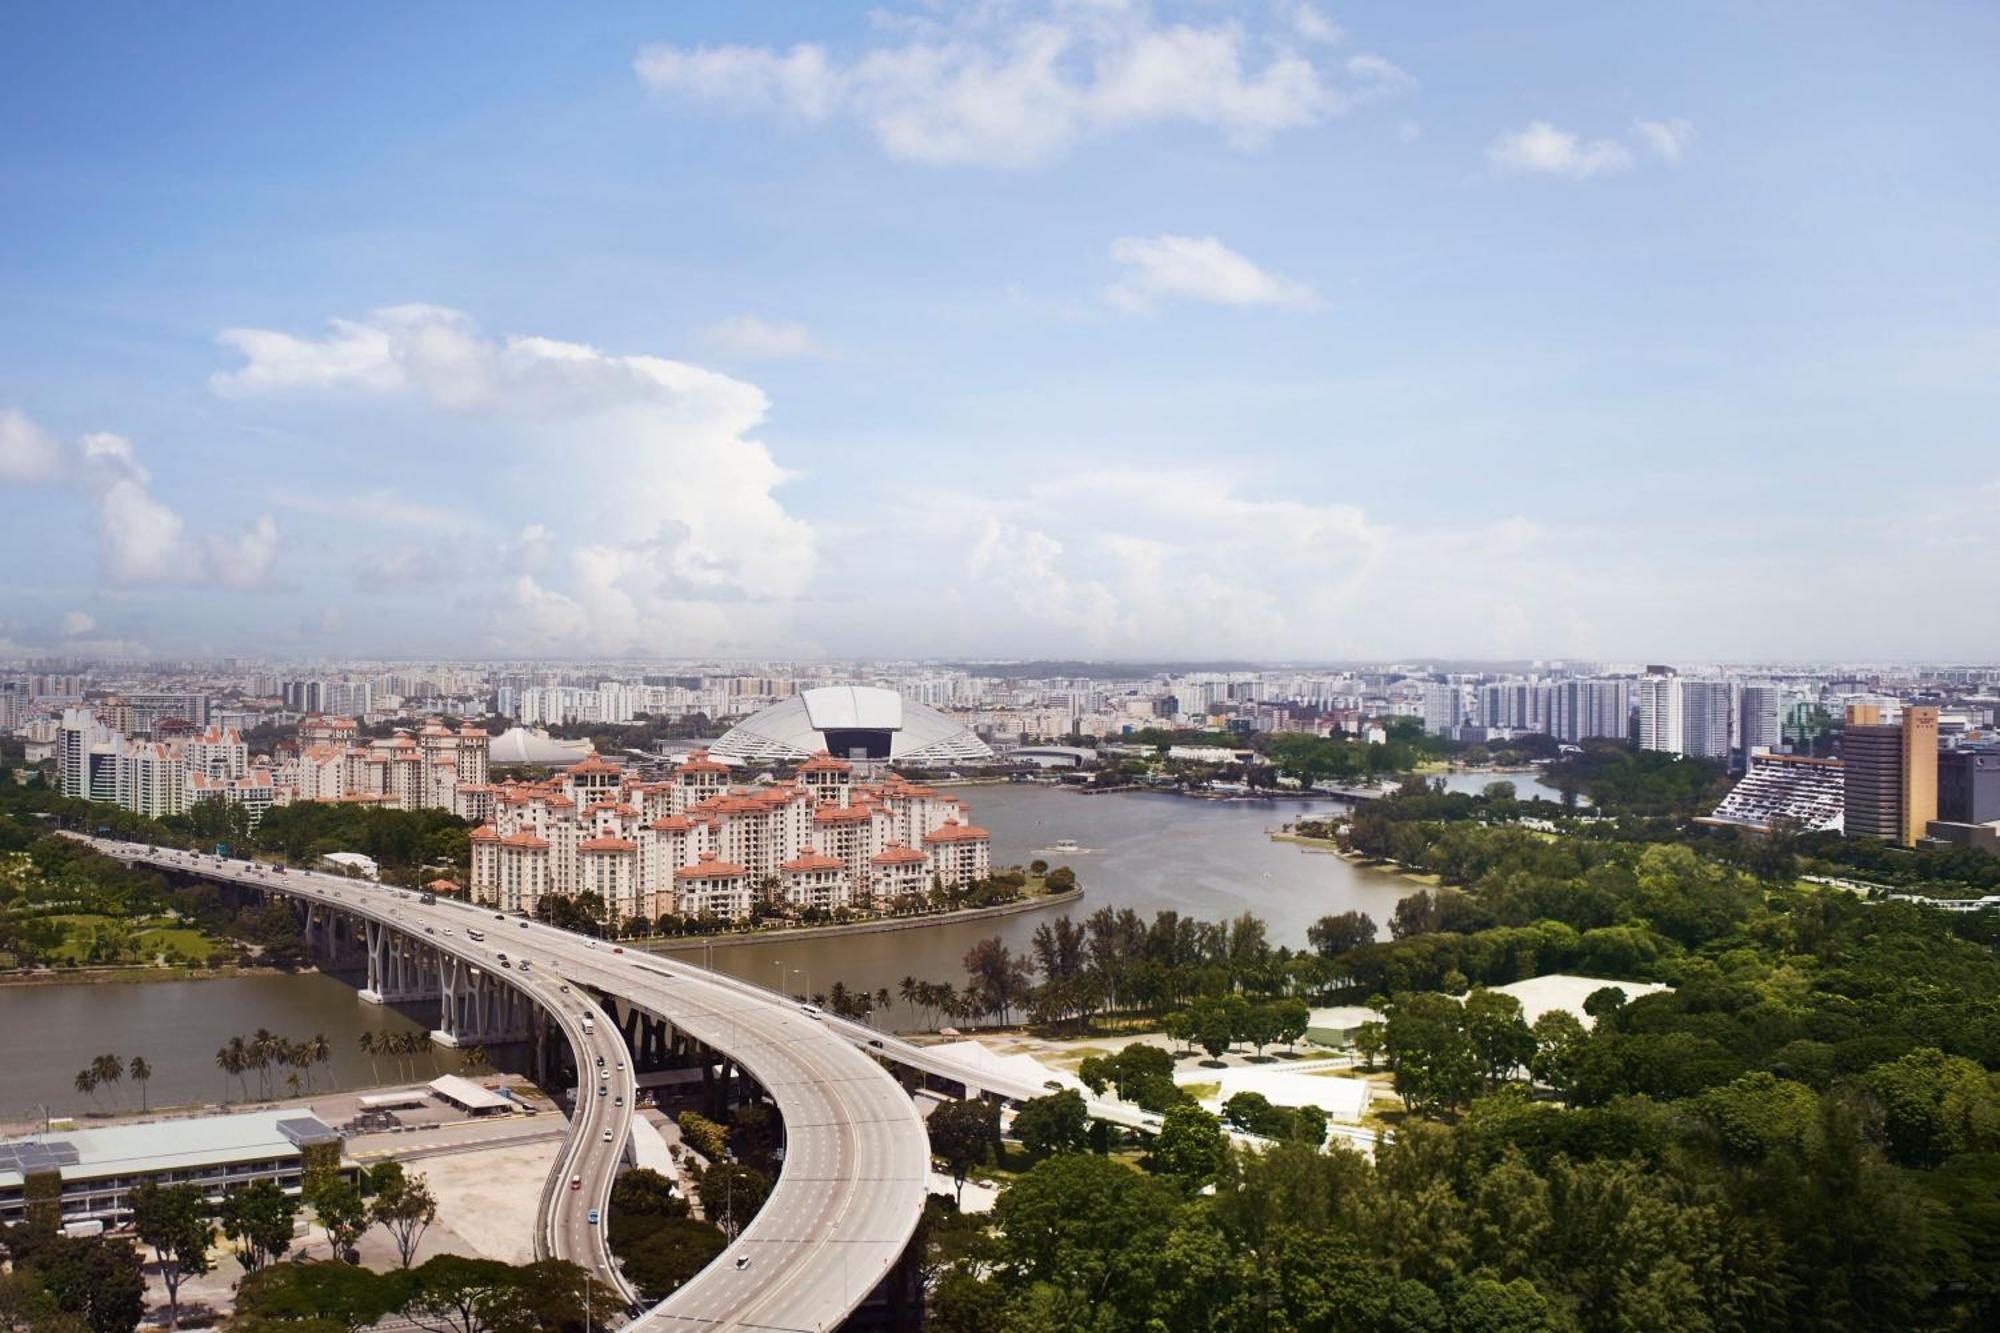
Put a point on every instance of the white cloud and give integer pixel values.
(754, 338)
(77, 623)
(141, 538)
(27, 452)
(656, 464)
(1381, 74)
(1543, 149)
(1670, 139)
(377, 506)
(1191, 268)
(1311, 24)
(996, 88)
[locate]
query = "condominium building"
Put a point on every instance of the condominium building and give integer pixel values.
(1706, 716)
(1760, 719)
(693, 845)
(1969, 785)
(1659, 698)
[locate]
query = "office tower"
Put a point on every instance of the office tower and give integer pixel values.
(1760, 728)
(1920, 771)
(1892, 772)
(1705, 715)
(1659, 696)
(1969, 786)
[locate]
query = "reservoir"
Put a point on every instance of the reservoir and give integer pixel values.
(1148, 852)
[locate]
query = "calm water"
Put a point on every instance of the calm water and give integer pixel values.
(1526, 785)
(47, 1033)
(1208, 859)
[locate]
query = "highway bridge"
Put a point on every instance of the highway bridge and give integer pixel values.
(857, 1158)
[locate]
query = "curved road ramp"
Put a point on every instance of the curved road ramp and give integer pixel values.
(857, 1160)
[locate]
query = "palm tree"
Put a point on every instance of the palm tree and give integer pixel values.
(474, 1060)
(369, 1045)
(142, 1073)
(109, 1069)
(319, 1050)
(907, 989)
(263, 1046)
(225, 1060)
(86, 1081)
(240, 1058)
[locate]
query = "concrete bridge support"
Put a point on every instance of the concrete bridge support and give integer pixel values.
(476, 1008)
(399, 967)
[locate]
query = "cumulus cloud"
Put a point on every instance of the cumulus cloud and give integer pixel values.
(753, 338)
(677, 499)
(1191, 268)
(27, 452)
(996, 87)
(1542, 149)
(77, 623)
(140, 537)
(1669, 139)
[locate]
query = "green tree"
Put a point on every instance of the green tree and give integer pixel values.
(259, 1217)
(1501, 1041)
(669, 1254)
(455, 1294)
(341, 1210)
(1052, 1124)
(174, 1221)
(1560, 1039)
(962, 1135)
(404, 1206)
(732, 1194)
(347, 1294)
(1435, 1066)
(1190, 1145)
(703, 1135)
(96, 1278)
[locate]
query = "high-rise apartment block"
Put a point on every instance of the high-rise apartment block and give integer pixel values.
(1706, 714)
(1659, 697)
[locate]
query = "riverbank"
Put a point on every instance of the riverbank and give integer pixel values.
(874, 926)
(139, 974)
(1423, 877)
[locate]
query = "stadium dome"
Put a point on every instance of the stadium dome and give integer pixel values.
(859, 722)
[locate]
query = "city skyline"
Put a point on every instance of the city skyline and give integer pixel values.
(1265, 331)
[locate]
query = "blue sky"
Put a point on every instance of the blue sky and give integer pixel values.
(1081, 328)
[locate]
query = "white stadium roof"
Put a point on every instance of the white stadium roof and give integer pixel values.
(524, 745)
(852, 722)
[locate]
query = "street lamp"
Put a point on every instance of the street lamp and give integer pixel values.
(779, 963)
(807, 974)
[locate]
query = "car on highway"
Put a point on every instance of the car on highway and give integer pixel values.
(809, 1010)
(430, 930)
(524, 925)
(617, 948)
(593, 1217)
(600, 1062)
(607, 1136)
(576, 1182)
(742, 1261)
(604, 1090)
(617, 1101)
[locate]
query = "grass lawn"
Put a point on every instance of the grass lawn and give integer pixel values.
(149, 937)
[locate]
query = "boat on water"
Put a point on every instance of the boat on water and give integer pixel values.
(1064, 847)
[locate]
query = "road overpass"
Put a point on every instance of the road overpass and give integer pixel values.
(857, 1160)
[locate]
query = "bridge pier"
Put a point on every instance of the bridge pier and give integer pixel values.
(475, 1008)
(399, 967)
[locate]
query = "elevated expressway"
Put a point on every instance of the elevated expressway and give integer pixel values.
(857, 1160)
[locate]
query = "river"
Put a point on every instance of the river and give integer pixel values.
(1208, 859)
(48, 1033)
(1148, 852)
